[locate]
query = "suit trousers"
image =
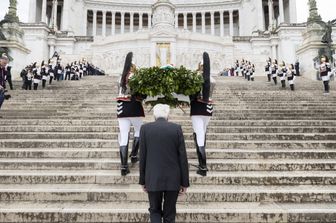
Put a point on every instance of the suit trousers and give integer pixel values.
(168, 211)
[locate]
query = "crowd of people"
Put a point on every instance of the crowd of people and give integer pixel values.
(284, 72)
(33, 74)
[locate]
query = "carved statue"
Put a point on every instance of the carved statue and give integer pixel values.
(12, 3)
(326, 38)
(312, 4)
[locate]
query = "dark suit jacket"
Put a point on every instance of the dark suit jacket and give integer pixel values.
(163, 157)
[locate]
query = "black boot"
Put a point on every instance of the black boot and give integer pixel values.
(269, 77)
(123, 158)
(202, 166)
(135, 149)
(275, 80)
(283, 83)
(292, 87)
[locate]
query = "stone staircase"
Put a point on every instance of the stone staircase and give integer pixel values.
(271, 155)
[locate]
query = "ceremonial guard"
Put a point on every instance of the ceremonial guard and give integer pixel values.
(201, 110)
(44, 74)
(28, 85)
(51, 71)
(248, 71)
(325, 70)
(268, 69)
(291, 75)
(129, 112)
(36, 76)
(282, 71)
(274, 68)
(252, 72)
(237, 68)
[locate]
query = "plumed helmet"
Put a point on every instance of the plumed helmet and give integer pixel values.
(206, 77)
(127, 68)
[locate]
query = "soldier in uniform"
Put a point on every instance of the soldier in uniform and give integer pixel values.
(291, 75)
(36, 76)
(282, 72)
(274, 68)
(44, 74)
(129, 112)
(201, 110)
(325, 70)
(51, 71)
(268, 69)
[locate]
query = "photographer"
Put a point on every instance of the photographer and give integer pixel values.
(3, 76)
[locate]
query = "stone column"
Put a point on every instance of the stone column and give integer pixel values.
(94, 29)
(149, 21)
(32, 11)
(260, 14)
(131, 21)
(104, 24)
(55, 14)
(212, 14)
(203, 22)
(292, 11)
(274, 51)
(231, 22)
(185, 25)
(281, 12)
(176, 20)
(44, 11)
(122, 23)
(221, 18)
(270, 14)
(65, 15)
(140, 21)
(194, 21)
(113, 24)
(85, 22)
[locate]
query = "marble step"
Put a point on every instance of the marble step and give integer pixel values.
(213, 164)
(103, 212)
(76, 153)
(188, 136)
(114, 128)
(275, 178)
(221, 123)
(225, 144)
(196, 193)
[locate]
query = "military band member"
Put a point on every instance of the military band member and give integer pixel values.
(325, 70)
(274, 68)
(291, 76)
(201, 110)
(282, 71)
(129, 112)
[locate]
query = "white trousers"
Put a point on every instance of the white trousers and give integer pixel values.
(200, 124)
(125, 127)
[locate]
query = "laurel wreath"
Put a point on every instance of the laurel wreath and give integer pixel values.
(165, 83)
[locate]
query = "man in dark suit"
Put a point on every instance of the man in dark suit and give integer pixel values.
(164, 170)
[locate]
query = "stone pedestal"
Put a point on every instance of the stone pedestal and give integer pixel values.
(310, 49)
(16, 46)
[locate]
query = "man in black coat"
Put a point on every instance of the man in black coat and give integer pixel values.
(164, 170)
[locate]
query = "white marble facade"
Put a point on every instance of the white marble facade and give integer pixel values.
(175, 31)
